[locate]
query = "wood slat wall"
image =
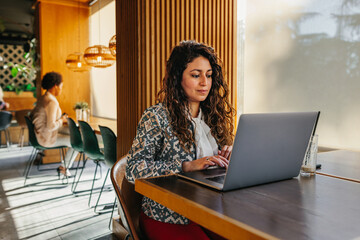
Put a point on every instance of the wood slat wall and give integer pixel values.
(147, 30)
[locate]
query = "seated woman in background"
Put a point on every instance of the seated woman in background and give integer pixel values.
(3, 105)
(189, 129)
(48, 120)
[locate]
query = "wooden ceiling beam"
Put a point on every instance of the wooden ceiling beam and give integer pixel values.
(70, 3)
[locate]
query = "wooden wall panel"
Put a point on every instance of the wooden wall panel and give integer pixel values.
(59, 36)
(156, 27)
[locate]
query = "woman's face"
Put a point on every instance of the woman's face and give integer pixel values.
(196, 80)
(58, 89)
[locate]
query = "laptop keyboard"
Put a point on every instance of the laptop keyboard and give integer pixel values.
(218, 179)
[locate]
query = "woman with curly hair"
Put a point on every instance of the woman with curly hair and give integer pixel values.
(48, 120)
(189, 129)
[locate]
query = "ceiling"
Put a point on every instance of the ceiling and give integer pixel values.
(17, 17)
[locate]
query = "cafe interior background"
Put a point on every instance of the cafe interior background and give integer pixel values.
(287, 56)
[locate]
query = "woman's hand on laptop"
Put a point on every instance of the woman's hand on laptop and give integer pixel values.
(204, 163)
(226, 151)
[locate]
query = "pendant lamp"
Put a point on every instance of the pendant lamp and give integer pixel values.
(75, 61)
(112, 45)
(98, 55)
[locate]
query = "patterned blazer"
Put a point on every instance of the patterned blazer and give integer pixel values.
(157, 151)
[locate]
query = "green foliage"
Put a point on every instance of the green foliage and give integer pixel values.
(21, 88)
(25, 71)
(81, 105)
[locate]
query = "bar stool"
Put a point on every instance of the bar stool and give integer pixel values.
(91, 149)
(5, 121)
(37, 148)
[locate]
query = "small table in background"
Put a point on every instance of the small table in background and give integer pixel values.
(96, 121)
(341, 164)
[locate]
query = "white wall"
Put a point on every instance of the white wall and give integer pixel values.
(103, 80)
(302, 56)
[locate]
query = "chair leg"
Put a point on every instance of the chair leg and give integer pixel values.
(28, 162)
(62, 158)
(92, 187)
(77, 168)
(102, 188)
(22, 138)
(112, 214)
(100, 171)
(7, 138)
(38, 165)
(77, 182)
(29, 168)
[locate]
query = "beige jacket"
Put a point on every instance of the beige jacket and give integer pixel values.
(46, 118)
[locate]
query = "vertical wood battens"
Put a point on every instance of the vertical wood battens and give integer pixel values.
(182, 24)
(127, 74)
(205, 19)
(164, 36)
(160, 25)
(140, 47)
(178, 24)
(191, 18)
(152, 53)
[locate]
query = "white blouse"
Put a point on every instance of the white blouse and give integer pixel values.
(205, 143)
(46, 117)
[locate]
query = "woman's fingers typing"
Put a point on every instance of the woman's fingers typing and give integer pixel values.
(225, 151)
(219, 160)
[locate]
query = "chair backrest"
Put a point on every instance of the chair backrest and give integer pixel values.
(109, 139)
(5, 120)
(32, 137)
(90, 142)
(75, 136)
(130, 201)
(20, 117)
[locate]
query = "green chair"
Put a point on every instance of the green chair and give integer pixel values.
(77, 144)
(91, 149)
(109, 139)
(38, 148)
(5, 121)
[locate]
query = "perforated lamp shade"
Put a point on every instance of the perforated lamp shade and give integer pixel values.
(99, 56)
(76, 63)
(112, 45)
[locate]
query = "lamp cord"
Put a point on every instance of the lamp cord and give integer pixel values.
(99, 20)
(79, 25)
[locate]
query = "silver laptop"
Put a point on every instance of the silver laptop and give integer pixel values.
(267, 148)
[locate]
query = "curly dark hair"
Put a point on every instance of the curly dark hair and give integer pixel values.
(50, 80)
(217, 111)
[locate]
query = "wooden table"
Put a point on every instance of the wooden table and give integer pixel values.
(96, 121)
(318, 207)
(341, 164)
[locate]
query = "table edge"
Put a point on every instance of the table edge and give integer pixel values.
(232, 227)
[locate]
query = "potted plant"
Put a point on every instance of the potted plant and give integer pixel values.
(82, 111)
